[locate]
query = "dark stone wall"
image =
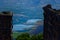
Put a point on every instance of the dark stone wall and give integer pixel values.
(51, 23)
(5, 27)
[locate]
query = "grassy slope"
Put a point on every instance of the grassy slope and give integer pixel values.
(15, 34)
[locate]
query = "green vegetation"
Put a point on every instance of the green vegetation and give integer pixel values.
(26, 36)
(16, 34)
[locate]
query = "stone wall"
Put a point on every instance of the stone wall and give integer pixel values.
(5, 26)
(51, 23)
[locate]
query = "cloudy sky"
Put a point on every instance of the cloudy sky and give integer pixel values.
(26, 11)
(31, 9)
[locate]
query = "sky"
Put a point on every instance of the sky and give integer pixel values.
(32, 23)
(26, 10)
(29, 9)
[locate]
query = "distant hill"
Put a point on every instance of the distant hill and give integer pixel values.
(38, 30)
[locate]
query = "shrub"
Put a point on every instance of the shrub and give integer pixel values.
(26, 36)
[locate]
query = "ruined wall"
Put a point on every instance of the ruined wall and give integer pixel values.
(5, 26)
(51, 23)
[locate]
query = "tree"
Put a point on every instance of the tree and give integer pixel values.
(26, 36)
(40, 36)
(34, 37)
(23, 36)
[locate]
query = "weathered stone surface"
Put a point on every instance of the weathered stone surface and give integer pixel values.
(51, 23)
(5, 26)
